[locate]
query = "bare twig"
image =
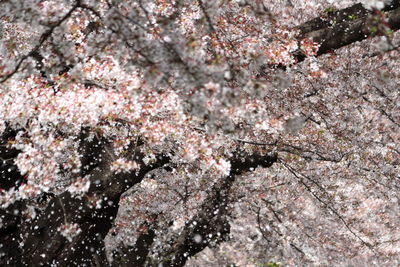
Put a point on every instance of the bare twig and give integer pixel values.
(42, 39)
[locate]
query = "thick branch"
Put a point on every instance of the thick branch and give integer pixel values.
(338, 16)
(346, 26)
(211, 225)
(43, 242)
(44, 37)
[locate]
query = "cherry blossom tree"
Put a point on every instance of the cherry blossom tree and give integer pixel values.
(199, 133)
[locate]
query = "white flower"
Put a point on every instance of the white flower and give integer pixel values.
(374, 4)
(295, 124)
(2, 126)
(69, 230)
(223, 166)
(7, 198)
(124, 165)
(79, 187)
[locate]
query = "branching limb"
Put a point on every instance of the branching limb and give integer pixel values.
(210, 225)
(45, 36)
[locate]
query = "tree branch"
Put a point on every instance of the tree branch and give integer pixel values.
(210, 225)
(43, 242)
(344, 27)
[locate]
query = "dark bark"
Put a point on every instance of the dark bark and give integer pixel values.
(348, 32)
(336, 29)
(211, 224)
(338, 16)
(42, 243)
(135, 255)
(9, 173)
(10, 217)
(208, 227)
(343, 27)
(10, 252)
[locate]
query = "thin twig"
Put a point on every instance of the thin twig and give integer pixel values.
(42, 39)
(334, 211)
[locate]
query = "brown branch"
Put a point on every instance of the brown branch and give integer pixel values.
(44, 244)
(344, 27)
(211, 225)
(42, 39)
(208, 227)
(135, 255)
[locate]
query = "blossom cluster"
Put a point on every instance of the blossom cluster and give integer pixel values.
(69, 230)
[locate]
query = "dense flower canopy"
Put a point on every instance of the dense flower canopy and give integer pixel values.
(199, 132)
